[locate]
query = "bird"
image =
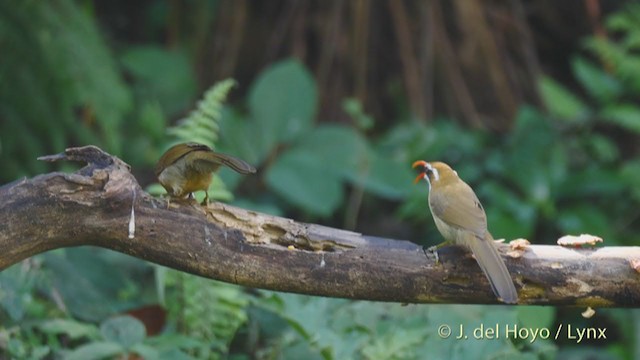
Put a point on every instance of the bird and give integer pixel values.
(188, 167)
(461, 220)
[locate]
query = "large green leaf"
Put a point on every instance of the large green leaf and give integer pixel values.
(242, 137)
(384, 177)
(17, 284)
(126, 331)
(284, 99)
(84, 298)
(304, 179)
(94, 283)
(344, 150)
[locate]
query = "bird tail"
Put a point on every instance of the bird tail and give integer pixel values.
(495, 270)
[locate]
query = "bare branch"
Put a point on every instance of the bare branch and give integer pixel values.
(94, 207)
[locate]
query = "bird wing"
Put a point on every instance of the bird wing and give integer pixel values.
(464, 212)
(210, 161)
(176, 152)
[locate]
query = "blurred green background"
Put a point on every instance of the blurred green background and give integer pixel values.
(534, 103)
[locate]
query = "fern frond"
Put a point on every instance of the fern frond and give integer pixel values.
(202, 123)
(201, 126)
(210, 311)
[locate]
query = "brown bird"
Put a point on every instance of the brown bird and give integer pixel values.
(461, 220)
(188, 167)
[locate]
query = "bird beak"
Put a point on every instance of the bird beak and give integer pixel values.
(422, 174)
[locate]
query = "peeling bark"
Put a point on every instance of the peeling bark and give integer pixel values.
(94, 206)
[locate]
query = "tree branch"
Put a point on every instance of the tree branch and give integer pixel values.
(93, 206)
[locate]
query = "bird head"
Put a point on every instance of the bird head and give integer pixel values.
(433, 172)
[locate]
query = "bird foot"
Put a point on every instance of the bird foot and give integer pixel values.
(431, 251)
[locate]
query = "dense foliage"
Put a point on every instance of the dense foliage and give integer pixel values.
(570, 167)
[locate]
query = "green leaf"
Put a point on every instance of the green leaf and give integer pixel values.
(624, 20)
(531, 147)
(397, 344)
(164, 75)
(626, 116)
(560, 101)
(123, 330)
(344, 148)
(284, 99)
(601, 182)
(77, 282)
(145, 351)
(604, 148)
(73, 329)
(155, 189)
(384, 177)
(475, 320)
(408, 140)
(536, 317)
(504, 225)
(353, 107)
(17, 284)
(95, 351)
(585, 220)
(630, 174)
(508, 216)
(599, 84)
(151, 120)
(243, 137)
(304, 179)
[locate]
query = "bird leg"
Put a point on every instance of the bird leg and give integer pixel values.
(168, 197)
(205, 201)
(433, 250)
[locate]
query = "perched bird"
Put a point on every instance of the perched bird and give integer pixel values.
(461, 220)
(188, 167)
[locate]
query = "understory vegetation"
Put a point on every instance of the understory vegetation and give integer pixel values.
(566, 166)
